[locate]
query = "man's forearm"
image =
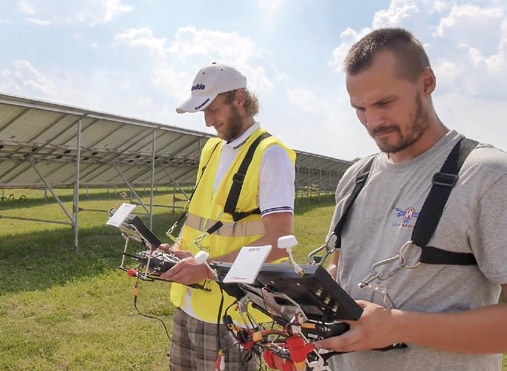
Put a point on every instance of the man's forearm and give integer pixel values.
(477, 331)
(474, 331)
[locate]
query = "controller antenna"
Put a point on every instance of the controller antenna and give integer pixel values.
(202, 258)
(287, 243)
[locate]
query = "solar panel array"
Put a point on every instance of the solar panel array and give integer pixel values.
(45, 141)
(45, 145)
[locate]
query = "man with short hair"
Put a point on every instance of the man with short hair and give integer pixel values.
(441, 312)
(263, 213)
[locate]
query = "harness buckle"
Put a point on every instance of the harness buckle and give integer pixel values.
(238, 178)
(444, 179)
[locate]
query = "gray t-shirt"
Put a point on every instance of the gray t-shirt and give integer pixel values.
(382, 220)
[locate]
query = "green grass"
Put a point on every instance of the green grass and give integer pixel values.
(62, 309)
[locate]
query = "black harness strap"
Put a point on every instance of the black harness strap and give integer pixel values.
(432, 209)
(237, 182)
(360, 182)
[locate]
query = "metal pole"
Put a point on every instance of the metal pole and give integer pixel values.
(297, 186)
(152, 177)
(320, 184)
(76, 188)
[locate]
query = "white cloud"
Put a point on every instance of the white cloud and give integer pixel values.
(135, 37)
(347, 37)
(71, 11)
(463, 22)
(398, 12)
(229, 46)
(24, 79)
(194, 48)
(475, 40)
(440, 5)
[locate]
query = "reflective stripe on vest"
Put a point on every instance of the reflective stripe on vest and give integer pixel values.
(233, 229)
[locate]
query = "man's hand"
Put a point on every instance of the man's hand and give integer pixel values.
(165, 247)
(374, 330)
(186, 271)
(175, 250)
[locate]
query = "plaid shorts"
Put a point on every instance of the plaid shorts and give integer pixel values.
(194, 346)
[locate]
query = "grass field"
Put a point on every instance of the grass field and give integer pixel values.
(62, 309)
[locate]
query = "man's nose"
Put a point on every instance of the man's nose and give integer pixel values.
(208, 119)
(374, 117)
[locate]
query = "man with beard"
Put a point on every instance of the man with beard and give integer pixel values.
(263, 213)
(441, 312)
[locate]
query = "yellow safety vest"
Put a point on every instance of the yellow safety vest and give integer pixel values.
(206, 209)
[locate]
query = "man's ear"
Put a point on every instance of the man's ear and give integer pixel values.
(428, 80)
(239, 97)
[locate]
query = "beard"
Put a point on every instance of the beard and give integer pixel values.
(234, 126)
(418, 126)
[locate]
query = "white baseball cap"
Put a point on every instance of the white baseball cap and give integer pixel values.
(208, 83)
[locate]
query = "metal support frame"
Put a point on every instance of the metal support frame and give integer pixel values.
(50, 189)
(75, 203)
(176, 185)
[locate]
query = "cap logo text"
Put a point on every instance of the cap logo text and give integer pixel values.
(198, 87)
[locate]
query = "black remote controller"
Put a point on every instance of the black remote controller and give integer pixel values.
(160, 262)
(319, 331)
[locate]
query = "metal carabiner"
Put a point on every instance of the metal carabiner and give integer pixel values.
(403, 252)
(198, 239)
(369, 278)
(170, 231)
(395, 269)
(402, 263)
(329, 251)
(313, 254)
(376, 275)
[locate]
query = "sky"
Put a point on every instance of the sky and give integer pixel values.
(137, 58)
